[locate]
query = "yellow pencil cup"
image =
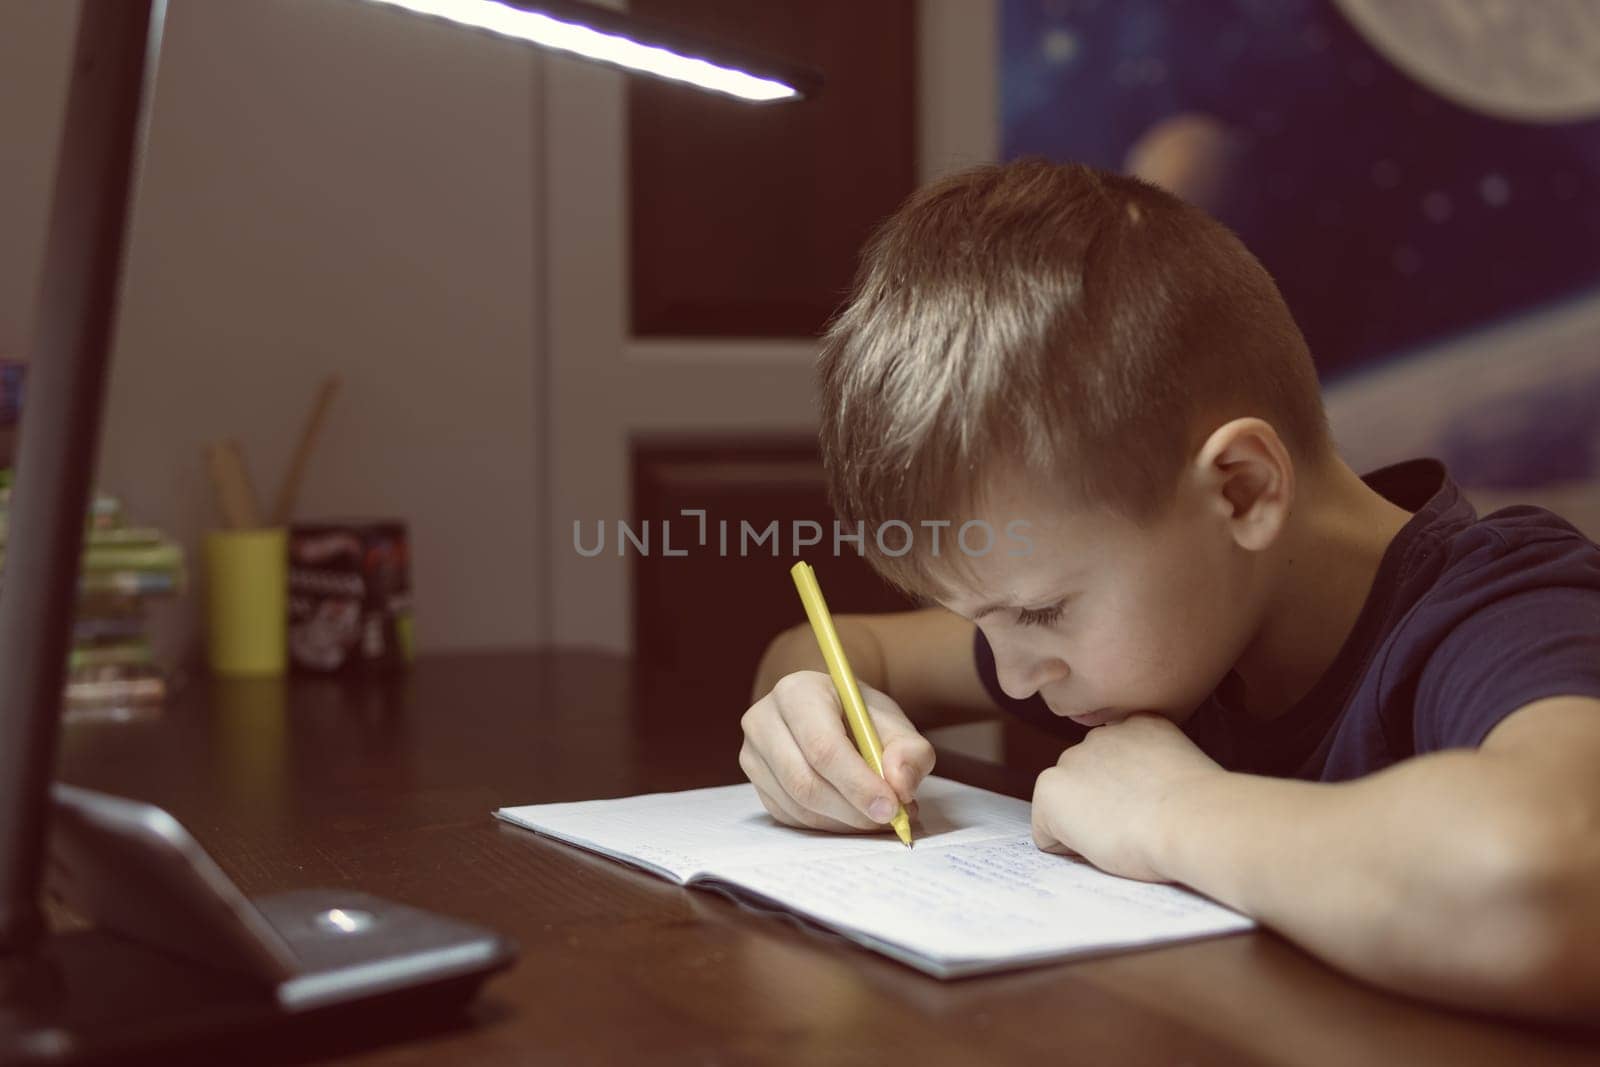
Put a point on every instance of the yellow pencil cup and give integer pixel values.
(247, 601)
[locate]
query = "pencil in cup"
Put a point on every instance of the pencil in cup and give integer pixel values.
(844, 680)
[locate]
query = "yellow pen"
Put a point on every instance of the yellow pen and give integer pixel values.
(844, 680)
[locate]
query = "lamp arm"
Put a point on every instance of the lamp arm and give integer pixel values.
(107, 104)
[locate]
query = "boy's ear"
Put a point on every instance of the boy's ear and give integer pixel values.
(1245, 471)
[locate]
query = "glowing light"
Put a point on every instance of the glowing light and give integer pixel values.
(564, 35)
(343, 920)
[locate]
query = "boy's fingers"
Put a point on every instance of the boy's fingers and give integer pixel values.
(907, 761)
(907, 755)
(821, 743)
(778, 804)
(842, 786)
(822, 772)
(836, 760)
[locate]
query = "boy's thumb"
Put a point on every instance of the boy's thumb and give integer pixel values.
(906, 764)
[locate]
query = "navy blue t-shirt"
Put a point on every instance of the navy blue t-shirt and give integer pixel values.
(1468, 620)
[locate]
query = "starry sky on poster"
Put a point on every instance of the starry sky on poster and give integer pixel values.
(1390, 216)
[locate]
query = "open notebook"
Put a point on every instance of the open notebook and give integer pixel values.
(973, 895)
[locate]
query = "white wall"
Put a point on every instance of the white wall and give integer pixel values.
(330, 186)
(35, 43)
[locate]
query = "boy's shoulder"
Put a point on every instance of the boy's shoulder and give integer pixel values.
(1469, 619)
(1489, 614)
(1448, 554)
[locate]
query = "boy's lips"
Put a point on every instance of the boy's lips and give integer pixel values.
(1098, 717)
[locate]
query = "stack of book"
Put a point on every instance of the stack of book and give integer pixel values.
(112, 670)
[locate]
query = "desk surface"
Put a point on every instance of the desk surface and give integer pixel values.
(388, 788)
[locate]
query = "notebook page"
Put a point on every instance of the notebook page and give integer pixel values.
(984, 905)
(682, 834)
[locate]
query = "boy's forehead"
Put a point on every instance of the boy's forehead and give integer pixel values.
(1015, 572)
(1040, 545)
(1041, 540)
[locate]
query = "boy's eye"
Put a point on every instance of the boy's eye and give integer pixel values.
(1039, 616)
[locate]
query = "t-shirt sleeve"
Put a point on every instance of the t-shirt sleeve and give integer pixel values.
(1533, 644)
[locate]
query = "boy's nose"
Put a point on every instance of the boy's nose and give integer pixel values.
(1022, 676)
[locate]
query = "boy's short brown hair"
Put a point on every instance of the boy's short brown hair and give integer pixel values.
(1086, 326)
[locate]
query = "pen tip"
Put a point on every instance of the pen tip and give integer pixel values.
(902, 827)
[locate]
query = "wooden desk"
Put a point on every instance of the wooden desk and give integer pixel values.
(389, 788)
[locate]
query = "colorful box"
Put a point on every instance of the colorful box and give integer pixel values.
(349, 596)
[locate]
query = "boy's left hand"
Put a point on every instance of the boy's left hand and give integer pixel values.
(1108, 797)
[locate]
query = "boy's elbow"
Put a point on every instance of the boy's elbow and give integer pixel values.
(1553, 971)
(1560, 971)
(1542, 915)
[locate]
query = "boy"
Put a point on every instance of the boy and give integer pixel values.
(1345, 706)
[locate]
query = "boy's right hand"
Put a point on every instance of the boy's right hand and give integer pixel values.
(799, 754)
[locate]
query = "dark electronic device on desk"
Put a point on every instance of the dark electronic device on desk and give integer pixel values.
(176, 952)
(296, 955)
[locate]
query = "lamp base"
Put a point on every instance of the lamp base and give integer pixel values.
(178, 955)
(92, 995)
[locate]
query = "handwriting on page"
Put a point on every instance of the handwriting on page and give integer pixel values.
(982, 900)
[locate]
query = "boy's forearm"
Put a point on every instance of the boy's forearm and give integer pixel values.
(1435, 878)
(796, 650)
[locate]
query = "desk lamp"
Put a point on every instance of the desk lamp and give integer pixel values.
(177, 952)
